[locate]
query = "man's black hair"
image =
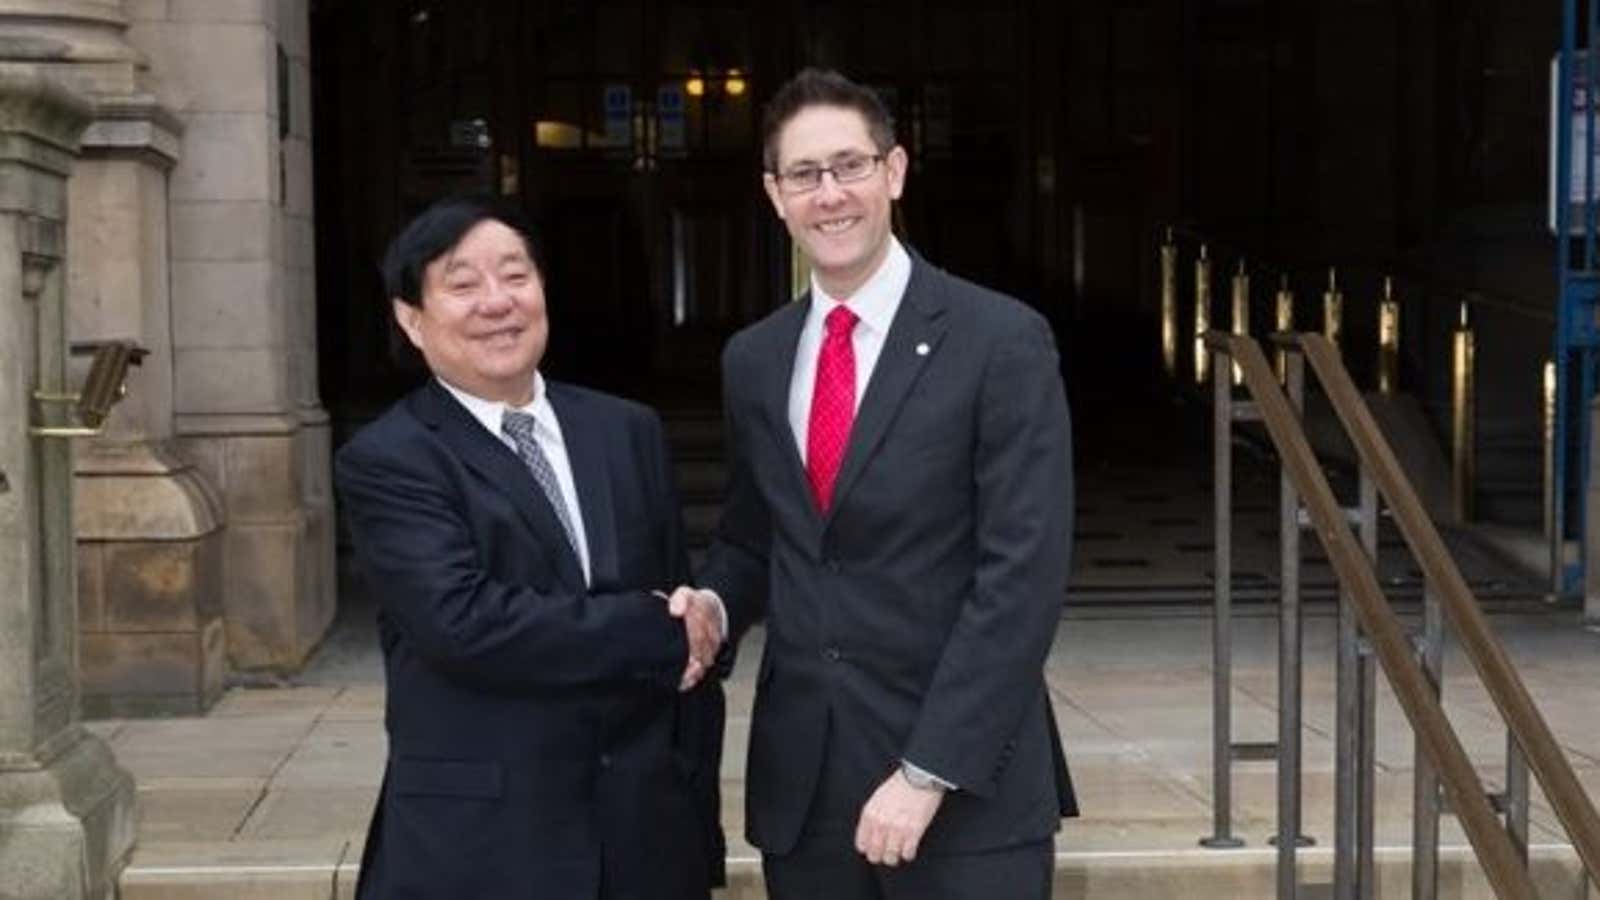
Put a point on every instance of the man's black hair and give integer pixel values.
(434, 231)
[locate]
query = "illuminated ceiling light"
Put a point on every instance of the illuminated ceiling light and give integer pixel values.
(735, 84)
(552, 135)
(695, 86)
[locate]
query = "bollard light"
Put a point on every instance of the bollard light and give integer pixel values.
(1333, 310)
(1202, 316)
(1169, 306)
(1462, 406)
(1547, 407)
(1388, 340)
(1284, 323)
(1241, 312)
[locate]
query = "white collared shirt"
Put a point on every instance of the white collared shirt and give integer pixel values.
(547, 431)
(875, 303)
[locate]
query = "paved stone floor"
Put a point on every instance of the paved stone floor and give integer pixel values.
(269, 794)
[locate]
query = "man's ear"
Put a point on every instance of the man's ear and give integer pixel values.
(771, 184)
(407, 316)
(897, 162)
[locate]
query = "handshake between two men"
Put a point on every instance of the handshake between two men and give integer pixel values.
(705, 624)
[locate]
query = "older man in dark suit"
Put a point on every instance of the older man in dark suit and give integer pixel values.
(899, 512)
(546, 735)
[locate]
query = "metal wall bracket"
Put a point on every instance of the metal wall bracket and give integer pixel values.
(102, 388)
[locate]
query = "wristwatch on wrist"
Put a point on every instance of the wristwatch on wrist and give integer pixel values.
(919, 779)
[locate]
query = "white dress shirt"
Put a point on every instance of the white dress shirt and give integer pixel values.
(875, 304)
(547, 431)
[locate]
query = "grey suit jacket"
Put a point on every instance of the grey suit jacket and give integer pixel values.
(914, 619)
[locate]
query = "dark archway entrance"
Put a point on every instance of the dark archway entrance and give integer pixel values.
(629, 132)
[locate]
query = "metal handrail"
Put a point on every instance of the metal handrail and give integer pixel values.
(1355, 569)
(1529, 728)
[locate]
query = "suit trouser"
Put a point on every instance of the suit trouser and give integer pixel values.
(824, 864)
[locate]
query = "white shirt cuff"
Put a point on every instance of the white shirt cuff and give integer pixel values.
(915, 769)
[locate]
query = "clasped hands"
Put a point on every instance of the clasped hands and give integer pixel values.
(702, 615)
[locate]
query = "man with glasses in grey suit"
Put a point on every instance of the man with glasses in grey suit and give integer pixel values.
(899, 515)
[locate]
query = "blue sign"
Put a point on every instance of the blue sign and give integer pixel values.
(669, 116)
(617, 101)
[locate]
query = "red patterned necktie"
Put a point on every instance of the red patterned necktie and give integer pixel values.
(833, 405)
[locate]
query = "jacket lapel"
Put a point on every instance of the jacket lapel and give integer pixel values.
(786, 340)
(913, 339)
(586, 450)
(501, 470)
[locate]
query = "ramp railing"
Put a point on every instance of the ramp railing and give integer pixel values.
(1370, 631)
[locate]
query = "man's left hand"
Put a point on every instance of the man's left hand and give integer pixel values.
(894, 820)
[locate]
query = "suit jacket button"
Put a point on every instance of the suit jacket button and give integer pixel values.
(605, 760)
(831, 654)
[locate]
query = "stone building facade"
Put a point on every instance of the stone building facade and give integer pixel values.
(1049, 157)
(203, 511)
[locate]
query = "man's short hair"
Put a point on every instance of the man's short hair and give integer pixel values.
(434, 231)
(823, 87)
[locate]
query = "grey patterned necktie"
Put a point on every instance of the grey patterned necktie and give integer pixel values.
(519, 426)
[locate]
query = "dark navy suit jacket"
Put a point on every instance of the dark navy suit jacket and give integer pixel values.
(912, 621)
(537, 744)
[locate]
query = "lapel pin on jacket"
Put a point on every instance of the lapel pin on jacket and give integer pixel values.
(922, 349)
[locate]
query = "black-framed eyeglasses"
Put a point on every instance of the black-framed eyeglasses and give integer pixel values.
(845, 169)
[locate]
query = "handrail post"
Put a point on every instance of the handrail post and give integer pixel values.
(1347, 779)
(1517, 796)
(1367, 670)
(1222, 613)
(1586, 381)
(1169, 306)
(1425, 801)
(1289, 639)
(1355, 763)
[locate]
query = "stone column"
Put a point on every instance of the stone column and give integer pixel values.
(66, 809)
(149, 527)
(245, 402)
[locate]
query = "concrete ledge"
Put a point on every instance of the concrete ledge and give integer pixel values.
(268, 870)
(327, 870)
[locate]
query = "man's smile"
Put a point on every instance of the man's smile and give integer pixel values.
(836, 226)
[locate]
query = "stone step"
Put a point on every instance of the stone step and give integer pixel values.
(694, 433)
(700, 521)
(327, 870)
(701, 477)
